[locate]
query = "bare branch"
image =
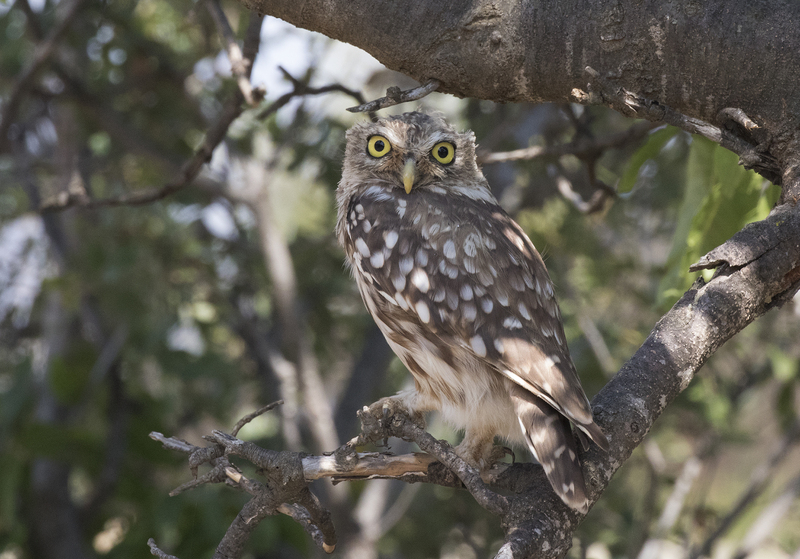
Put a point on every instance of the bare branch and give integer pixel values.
(154, 550)
(41, 55)
(394, 96)
(581, 147)
(190, 169)
(240, 66)
(251, 416)
(769, 519)
(758, 482)
(301, 89)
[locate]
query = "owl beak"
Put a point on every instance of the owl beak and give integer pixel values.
(409, 174)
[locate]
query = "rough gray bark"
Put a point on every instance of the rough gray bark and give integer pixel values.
(697, 57)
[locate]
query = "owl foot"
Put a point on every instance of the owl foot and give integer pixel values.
(385, 408)
(482, 454)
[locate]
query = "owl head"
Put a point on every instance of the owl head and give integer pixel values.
(413, 152)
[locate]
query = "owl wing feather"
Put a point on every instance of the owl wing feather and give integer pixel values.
(466, 273)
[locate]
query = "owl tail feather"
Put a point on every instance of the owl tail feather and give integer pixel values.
(549, 437)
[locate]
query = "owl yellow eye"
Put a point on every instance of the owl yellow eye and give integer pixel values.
(378, 146)
(444, 152)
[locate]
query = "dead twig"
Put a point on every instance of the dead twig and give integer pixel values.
(395, 96)
(581, 147)
(758, 482)
(240, 65)
(189, 171)
(301, 89)
(251, 416)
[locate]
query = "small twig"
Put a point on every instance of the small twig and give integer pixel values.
(240, 66)
(154, 550)
(251, 416)
(594, 204)
(171, 443)
(769, 519)
(41, 55)
(394, 96)
(738, 116)
(580, 148)
(758, 481)
(190, 169)
(302, 89)
(632, 104)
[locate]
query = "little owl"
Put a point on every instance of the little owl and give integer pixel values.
(462, 296)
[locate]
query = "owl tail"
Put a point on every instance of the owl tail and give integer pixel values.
(549, 437)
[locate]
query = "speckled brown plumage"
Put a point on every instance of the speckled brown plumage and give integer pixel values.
(462, 296)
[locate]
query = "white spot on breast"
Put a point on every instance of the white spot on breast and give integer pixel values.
(367, 226)
(422, 257)
(470, 311)
(478, 346)
(423, 311)
(469, 245)
(452, 272)
(401, 202)
(406, 265)
(417, 219)
(401, 210)
(502, 298)
(523, 310)
(399, 282)
(420, 280)
(360, 211)
(469, 266)
(489, 243)
(559, 451)
(449, 249)
(466, 292)
(479, 291)
(390, 238)
(362, 247)
(516, 282)
(512, 323)
(439, 296)
(487, 305)
(498, 345)
(376, 260)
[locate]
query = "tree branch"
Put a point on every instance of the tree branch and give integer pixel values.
(394, 96)
(41, 55)
(240, 65)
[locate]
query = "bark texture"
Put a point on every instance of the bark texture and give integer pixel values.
(699, 57)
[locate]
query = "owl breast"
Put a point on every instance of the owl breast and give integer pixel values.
(446, 296)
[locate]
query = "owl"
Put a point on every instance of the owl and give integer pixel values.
(462, 297)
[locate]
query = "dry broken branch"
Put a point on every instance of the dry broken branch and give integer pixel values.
(395, 96)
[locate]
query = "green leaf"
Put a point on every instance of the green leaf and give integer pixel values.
(655, 142)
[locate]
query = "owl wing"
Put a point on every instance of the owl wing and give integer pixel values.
(467, 274)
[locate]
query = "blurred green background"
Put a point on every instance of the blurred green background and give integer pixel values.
(173, 316)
